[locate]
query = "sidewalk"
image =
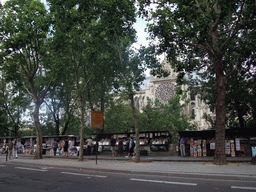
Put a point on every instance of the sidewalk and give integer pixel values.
(148, 165)
(157, 158)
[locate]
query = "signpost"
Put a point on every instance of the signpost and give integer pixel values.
(97, 123)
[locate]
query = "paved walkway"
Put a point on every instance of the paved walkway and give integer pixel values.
(149, 165)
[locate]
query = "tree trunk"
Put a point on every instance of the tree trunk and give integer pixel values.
(57, 125)
(81, 151)
(137, 158)
(239, 114)
(39, 137)
(220, 156)
(65, 127)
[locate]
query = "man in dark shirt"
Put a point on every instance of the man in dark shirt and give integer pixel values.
(55, 147)
(113, 146)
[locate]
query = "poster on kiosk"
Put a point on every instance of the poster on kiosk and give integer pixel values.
(191, 147)
(253, 151)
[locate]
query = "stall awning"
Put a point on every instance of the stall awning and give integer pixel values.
(233, 132)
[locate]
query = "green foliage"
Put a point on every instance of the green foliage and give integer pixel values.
(206, 35)
(118, 118)
(13, 103)
(168, 117)
(25, 26)
(28, 132)
(156, 117)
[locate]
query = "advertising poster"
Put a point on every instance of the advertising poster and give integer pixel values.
(212, 145)
(204, 148)
(195, 148)
(232, 146)
(199, 148)
(191, 147)
(97, 119)
(238, 148)
(227, 148)
(253, 151)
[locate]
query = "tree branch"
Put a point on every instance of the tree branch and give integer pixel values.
(199, 7)
(27, 89)
(44, 91)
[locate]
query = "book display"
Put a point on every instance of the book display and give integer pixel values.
(199, 148)
(191, 147)
(204, 148)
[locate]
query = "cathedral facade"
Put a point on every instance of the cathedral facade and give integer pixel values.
(164, 88)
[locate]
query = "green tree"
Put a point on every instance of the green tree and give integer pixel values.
(25, 26)
(13, 103)
(79, 26)
(200, 35)
(61, 105)
(131, 78)
(118, 118)
(169, 116)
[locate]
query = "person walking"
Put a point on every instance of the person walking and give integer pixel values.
(89, 146)
(70, 146)
(65, 147)
(182, 146)
(55, 147)
(131, 147)
(113, 146)
(10, 148)
(134, 149)
(15, 149)
(120, 146)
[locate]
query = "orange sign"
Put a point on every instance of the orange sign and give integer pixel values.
(97, 119)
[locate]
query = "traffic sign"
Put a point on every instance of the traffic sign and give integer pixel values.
(97, 119)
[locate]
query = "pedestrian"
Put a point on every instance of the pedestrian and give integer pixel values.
(2, 149)
(113, 146)
(60, 147)
(120, 147)
(10, 148)
(65, 147)
(25, 147)
(15, 149)
(54, 147)
(134, 149)
(70, 146)
(182, 146)
(89, 145)
(130, 146)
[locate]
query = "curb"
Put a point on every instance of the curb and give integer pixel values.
(172, 173)
(152, 160)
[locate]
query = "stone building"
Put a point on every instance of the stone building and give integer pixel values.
(164, 89)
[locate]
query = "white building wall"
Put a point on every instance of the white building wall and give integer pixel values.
(150, 92)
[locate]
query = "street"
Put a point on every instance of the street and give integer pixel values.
(20, 177)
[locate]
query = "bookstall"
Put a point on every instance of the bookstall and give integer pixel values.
(149, 140)
(202, 143)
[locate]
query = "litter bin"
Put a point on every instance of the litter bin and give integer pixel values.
(253, 150)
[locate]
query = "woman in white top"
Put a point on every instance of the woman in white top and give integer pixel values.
(15, 149)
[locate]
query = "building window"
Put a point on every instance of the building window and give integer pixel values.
(138, 105)
(193, 113)
(192, 97)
